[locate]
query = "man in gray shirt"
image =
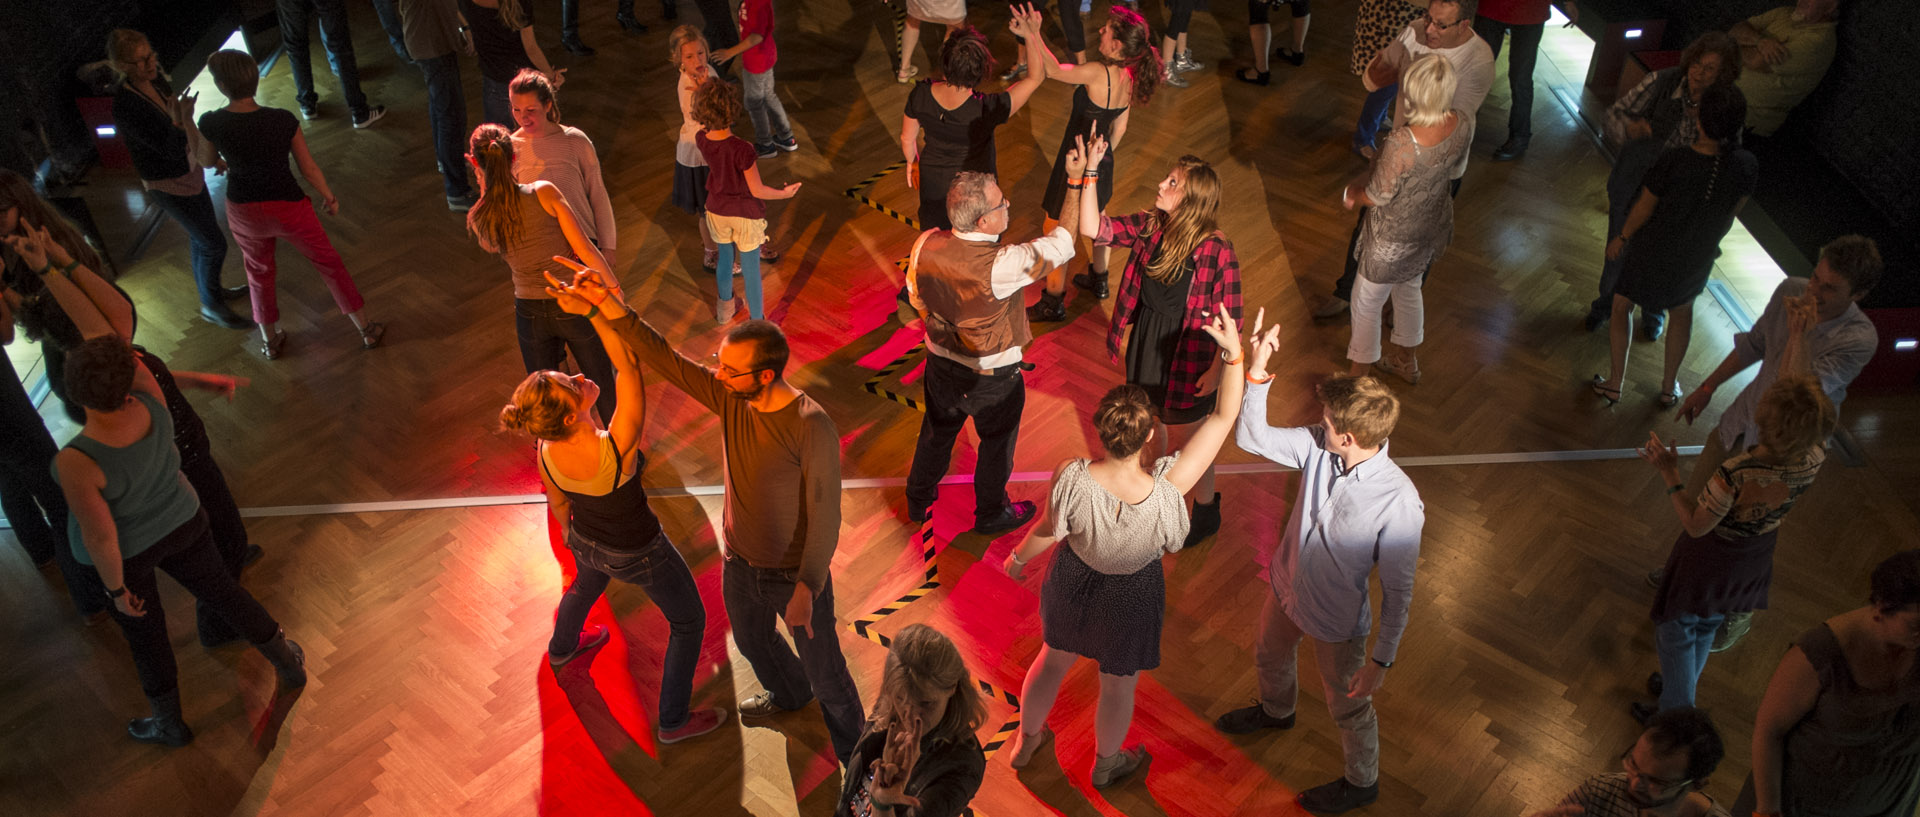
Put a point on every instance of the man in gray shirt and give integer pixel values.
(1356, 509)
(782, 522)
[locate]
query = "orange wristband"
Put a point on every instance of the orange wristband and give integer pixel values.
(1259, 380)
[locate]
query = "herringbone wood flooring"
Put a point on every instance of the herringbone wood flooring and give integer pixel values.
(424, 629)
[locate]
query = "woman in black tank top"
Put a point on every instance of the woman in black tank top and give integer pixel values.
(592, 479)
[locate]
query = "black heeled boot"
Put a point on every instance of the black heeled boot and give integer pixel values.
(166, 727)
(1206, 521)
(1093, 281)
(288, 660)
(1052, 308)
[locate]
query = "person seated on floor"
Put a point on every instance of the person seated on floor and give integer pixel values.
(1785, 53)
(1662, 775)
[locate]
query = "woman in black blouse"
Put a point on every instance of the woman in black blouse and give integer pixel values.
(167, 150)
(957, 119)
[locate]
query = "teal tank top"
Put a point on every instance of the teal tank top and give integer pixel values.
(145, 490)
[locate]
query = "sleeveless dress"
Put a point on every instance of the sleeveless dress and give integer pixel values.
(1085, 115)
(1113, 613)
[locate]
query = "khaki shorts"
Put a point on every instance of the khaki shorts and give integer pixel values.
(745, 234)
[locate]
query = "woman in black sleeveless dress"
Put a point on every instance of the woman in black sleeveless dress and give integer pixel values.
(592, 479)
(1127, 71)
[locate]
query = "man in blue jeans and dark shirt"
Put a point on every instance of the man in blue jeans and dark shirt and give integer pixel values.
(435, 36)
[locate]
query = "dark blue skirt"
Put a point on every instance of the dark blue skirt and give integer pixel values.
(1113, 619)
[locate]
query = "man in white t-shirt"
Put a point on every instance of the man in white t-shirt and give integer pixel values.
(1446, 29)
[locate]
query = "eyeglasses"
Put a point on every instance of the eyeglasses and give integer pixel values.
(1432, 23)
(1658, 785)
(1004, 204)
(727, 372)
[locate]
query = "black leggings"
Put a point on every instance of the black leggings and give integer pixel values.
(1179, 14)
(188, 555)
(1070, 26)
(1257, 10)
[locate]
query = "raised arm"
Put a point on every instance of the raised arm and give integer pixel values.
(1699, 517)
(1790, 696)
(587, 294)
(1204, 445)
(1286, 446)
(94, 306)
(630, 390)
(310, 170)
(556, 205)
(1025, 24)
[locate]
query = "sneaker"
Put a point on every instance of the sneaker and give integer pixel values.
(1115, 767)
(1168, 76)
(1014, 73)
(1184, 62)
(1731, 631)
(699, 722)
(766, 150)
(788, 144)
(760, 706)
(309, 112)
(589, 641)
(1250, 719)
(1337, 797)
(373, 115)
(461, 204)
(1333, 306)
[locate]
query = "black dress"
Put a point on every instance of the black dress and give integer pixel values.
(1157, 325)
(1085, 115)
(1667, 263)
(958, 139)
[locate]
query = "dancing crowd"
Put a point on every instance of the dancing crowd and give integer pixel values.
(138, 491)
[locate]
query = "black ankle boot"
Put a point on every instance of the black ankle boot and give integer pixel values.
(288, 660)
(1052, 308)
(1093, 281)
(166, 727)
(1206, 521)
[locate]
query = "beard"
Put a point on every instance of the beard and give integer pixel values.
(751, 394)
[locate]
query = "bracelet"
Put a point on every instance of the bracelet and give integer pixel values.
(1090, 174)
(592, 311)
(1076, 184)
(1017, 561)
(44, 270)
(1260, 381)
(1234, 362)
(1674, 489)
(114, 594)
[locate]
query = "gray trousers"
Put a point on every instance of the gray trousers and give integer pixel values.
(1276, 656)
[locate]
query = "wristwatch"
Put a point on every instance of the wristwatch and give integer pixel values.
(1383, 664)
(117, 593)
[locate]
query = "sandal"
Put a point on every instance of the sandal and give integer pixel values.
(1603, 391)
(1671, 397)
(1252, 77)
(1028, 746)
(906, 76)
(270, 348)
(371, 334)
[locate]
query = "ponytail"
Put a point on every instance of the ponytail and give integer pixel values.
(495, 220)
(1138, 57)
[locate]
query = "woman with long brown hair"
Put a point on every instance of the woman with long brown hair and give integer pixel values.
(1127, 71)
(528, 225)
(546, 150)
(1180, 267)
(919, 750)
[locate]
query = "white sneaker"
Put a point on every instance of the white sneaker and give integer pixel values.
(1173, 78)
(1184, 62)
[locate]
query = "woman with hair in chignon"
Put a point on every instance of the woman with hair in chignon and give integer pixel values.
(1126, 71)
(546, 151)
(591, 475)
(958, 120)
(919, 750)
(1409, 219)
(1179, 265)
(530, 226)
(1105, 595)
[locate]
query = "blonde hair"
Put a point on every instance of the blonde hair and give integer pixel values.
(919, 661)
(1191, 221)
(1427, 90)
(513, 15)
(544, 405)
(680, 37)
(1361, 406)
(120, 45)
(1795, 415)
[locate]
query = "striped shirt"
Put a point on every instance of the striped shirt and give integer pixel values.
(1605, 795)
(567, 159)
(1753, 497)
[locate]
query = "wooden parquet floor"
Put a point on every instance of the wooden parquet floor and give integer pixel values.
(424, 629)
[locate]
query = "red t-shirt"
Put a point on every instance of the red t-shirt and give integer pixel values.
(756, 17)
(728, 160)
(1515, 12)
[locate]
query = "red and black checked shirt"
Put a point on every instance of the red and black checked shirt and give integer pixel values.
(1216, 280)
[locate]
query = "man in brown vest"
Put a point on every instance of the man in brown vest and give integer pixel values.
(967, 287)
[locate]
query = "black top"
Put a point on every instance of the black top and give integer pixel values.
(158, 147)
(1085, 114)
(498, 48)
(189, 433)
(945, 779)
(961, 138)
(618, 519)
(1669, 259)
(256, 145)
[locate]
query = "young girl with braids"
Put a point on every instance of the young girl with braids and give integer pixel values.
(1671, 236)
(529, 224)
(1181, 269)
(1126, 71)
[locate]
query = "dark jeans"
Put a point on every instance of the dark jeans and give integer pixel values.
(496, 105)
(1520, 62)
(658, 568)
(547, 333)
(195, 213)
(954, 393)
(756, 599)
(295, 19)
(447, 108)
(1373, 113)
(1343, 288)
(229, 533)
(721, 32)
(389, 14)
(188, 555)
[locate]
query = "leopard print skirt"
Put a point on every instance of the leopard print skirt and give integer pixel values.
(1376, 24)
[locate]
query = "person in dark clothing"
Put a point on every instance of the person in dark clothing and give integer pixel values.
(296, 18)
(434, 41)
(919, 755)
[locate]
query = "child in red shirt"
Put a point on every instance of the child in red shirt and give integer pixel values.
(736, 218)
(769, 117)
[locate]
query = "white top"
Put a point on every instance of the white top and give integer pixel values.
(1111, 536)
(1840, 347)
(1472, 63)
(1011, 268)
(567, 159)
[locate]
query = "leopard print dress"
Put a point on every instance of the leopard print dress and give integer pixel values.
(1377, 23)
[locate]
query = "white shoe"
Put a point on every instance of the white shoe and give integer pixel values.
(1184, 62)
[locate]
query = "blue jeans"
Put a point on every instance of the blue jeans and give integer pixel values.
(295, 17)
(447, 109)
(1373, 113)
(1683, 643)
(209, 242)
(496, 104)
(389, 14)
(764, 108)
(658, 568)
(756, 599)
(547, 333)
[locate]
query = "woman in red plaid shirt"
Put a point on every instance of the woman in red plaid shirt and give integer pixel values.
(1181, 266)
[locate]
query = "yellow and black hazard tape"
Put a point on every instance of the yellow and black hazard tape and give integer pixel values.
(905, 361)
(858, 193)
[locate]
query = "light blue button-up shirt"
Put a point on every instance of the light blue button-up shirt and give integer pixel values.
(1345, 521)
(1840, 349)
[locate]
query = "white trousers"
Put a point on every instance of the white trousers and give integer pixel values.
(1408, 317)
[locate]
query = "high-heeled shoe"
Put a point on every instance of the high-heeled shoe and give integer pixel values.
(270, 348)
(1028, 746)
(1603, 391)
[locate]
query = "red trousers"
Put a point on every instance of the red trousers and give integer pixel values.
(258, 227)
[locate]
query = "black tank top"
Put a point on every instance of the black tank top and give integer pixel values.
(618, 519)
